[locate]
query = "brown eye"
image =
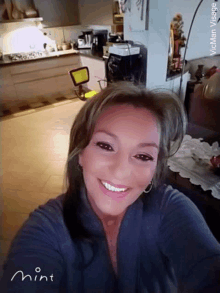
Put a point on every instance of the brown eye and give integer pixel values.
(144, 158)
(104, 146)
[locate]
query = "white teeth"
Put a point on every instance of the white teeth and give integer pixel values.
(112, 188)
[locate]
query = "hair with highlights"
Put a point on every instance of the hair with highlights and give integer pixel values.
(171, 121)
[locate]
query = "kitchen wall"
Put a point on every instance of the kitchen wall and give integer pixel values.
(25, 37)
(156, 38)
(20, 37)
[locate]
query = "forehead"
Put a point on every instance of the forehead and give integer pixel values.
(127, 119)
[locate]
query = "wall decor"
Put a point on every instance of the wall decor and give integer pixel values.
(138, 9)
(177, 41)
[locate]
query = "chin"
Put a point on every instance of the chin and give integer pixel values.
(111, 208)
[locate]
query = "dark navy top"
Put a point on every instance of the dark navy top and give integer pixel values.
(164, 245)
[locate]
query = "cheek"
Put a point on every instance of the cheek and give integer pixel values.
(90, 160)
(144, 177)
(145, 174)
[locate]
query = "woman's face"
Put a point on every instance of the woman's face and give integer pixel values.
(123, 151)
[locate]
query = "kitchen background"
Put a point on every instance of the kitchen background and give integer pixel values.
(56, 24)
(65, 20)
(25, 37)
(34, 147)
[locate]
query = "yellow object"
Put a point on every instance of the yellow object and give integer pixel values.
(90, 94)
(80, 75)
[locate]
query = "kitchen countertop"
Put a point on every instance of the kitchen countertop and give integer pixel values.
(83, 52)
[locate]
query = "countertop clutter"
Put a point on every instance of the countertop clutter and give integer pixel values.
(34, 56)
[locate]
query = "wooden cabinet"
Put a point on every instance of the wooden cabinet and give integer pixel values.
(37, 80)
(96, 12)
(42, 79)
(96, 71)
(57, 12)
(7, 88)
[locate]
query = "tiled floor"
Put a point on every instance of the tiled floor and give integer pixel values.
(15, 108)
(33, 151)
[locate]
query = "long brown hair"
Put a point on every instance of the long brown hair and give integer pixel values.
(171, 119)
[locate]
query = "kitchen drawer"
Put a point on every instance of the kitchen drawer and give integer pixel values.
(5, 77)
(54, 86)
(42, 74)
(7, 94)
(43, 64)
(35, 89)
(64, 85)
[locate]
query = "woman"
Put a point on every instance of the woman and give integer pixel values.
(118, 228)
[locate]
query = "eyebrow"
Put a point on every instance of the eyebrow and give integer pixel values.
(141, 145)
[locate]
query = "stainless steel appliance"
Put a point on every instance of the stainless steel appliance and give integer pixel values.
(113, 39)
(127, 61)
(85, 40)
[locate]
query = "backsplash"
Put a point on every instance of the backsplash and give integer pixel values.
(23, 37)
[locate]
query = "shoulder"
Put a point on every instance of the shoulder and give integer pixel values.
(53, 207)
(168, 205)
(44, 225)
(163, 196)
(42, 242)
(50, 212)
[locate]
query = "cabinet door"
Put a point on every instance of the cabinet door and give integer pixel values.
(57, 12)
(96, 71)
(96, 12)
(50, 69)
(7, 89)
(49, 79)
(43, 64)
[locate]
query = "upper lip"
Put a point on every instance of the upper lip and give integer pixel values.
(115, 185)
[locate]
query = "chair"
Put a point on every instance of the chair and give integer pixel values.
(79, 77)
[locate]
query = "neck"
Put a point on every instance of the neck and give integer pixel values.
(112, 223)
(108, 221)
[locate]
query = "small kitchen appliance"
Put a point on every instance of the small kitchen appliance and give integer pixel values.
(85, 40)
(124, 49)
(126, 62)
(99, 40)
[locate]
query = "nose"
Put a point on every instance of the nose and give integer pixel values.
(121, 169)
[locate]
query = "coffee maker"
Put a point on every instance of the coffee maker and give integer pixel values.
(85, 40)
(99, 40)
(127, 62)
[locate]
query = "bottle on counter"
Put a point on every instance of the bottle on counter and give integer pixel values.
(1, 54)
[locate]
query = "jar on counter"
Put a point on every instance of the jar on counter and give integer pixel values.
(1, 54)
(66, 46)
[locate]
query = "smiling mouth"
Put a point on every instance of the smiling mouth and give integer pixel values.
(112, 188)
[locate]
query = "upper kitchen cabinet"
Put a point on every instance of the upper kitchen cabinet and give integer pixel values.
(96, 12)
(58, 13)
